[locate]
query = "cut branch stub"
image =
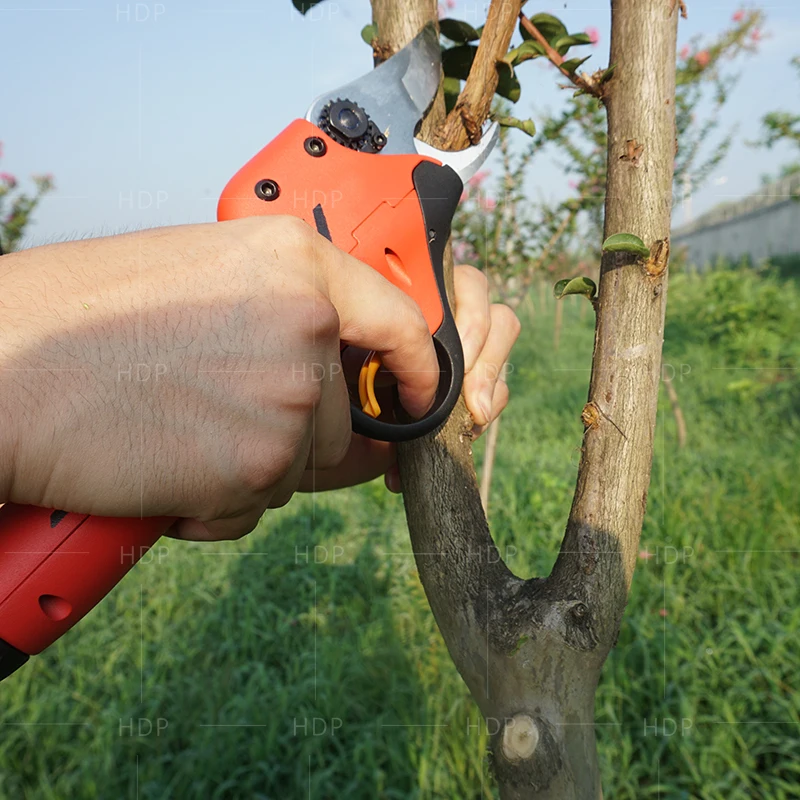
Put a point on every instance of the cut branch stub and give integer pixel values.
(520, 737)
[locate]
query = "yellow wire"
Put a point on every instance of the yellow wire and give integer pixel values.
(366, 384)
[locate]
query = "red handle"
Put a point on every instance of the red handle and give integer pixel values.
(56, 566)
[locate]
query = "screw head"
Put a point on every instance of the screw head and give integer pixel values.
(315, 146)
(267, 190)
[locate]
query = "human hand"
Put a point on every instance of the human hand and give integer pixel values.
(181, 371)
(488, 332)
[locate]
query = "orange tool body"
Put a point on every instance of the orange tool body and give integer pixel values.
(392, 212)
(367, 206)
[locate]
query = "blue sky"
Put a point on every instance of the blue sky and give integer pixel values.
(142, 111)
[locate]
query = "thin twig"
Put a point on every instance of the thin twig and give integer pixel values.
(583, 82)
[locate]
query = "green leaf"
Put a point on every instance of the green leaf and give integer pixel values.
(508, 85)
(573, 64)
(452, 89)
(525, 125)
(527, 50)
(458, 31)
(626, 243)
(457, 61)
(304, 6)
(549, 26)
(608, 74)
(581, 285)
(369, 33)
(563, 43)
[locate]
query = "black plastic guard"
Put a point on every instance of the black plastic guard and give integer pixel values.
(439, 190)
(11, 659)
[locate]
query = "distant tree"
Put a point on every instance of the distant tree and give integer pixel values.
(782, 126)
(17, 206)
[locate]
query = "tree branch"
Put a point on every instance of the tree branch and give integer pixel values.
(585, 81)
(463, 124)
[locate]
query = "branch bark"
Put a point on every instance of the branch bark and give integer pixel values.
(531, 651)
(463, 124)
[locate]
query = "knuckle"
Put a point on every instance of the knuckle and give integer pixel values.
(260, 464)
(414, 323)
(479, 279)
(501, 396)
(315, 319)
(507, 318)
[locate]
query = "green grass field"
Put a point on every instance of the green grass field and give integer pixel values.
(252, 670)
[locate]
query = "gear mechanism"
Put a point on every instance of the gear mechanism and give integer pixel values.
(349, 125)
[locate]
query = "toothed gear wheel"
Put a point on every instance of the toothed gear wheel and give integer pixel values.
(349, 125)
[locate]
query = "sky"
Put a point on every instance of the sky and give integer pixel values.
(142, 111)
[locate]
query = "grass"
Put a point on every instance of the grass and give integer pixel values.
(303, 661)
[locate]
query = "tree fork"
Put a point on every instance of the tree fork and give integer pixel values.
(531, 651)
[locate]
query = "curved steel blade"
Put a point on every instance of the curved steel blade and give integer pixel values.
(395, 94)
(465, 162)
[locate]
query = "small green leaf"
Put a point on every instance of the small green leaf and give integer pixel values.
(304, 6)
(527, 50)
(521, 641)
(452, 89)
(563, 43)
(573, 64)
(369, 33)
(526, 125)
(508, 85)
(626, 243)
(549, 26)
(458, 31)
(581, 285)
(457, 61)
(608, 74)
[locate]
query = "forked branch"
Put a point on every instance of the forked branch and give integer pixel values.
(531, 651)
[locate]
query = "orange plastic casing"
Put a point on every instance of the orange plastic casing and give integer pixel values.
(366, 204)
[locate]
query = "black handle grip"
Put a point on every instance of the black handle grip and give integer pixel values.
(439, 191)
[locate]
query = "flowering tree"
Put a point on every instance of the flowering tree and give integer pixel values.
(17, 206)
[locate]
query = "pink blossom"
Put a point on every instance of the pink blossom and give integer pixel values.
(573, 184)
(460, 250)
(488, 203)
(645, 554)
(702, 58)
(8, 179)
(593, 34)
(451, 4)
(756, 35)
(738, 16)
(464, 196)
(663, 612)
(478, 178)
(684, 54)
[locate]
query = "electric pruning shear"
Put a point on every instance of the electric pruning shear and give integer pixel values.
(392, 212)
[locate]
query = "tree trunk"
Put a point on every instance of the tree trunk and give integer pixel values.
(531, 651)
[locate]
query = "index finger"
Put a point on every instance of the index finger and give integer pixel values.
(376, 315)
